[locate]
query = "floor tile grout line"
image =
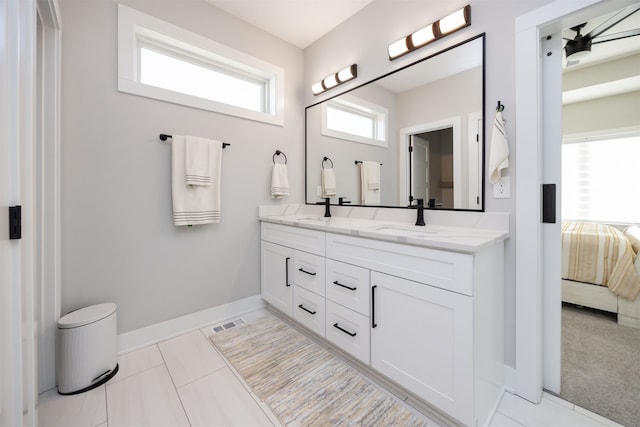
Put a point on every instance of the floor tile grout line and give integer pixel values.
(174, 384)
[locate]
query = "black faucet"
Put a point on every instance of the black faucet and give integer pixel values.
(342, 201)
(327, 212)
(419, 206)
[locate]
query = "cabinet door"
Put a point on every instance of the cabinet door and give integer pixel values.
(422, 338)
(276, 278)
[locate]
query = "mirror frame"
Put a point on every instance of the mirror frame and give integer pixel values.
(481, 36)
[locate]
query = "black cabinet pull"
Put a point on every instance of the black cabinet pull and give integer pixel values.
(335, 282)
(286, 266)
(306, 272)
(306, 309)
(351, 334)
(373, 306)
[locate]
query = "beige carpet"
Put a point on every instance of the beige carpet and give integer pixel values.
(302, 382)
(601, 364)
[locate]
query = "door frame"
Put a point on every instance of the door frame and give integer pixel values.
(47, 203)
(530, 99)
(403, 155)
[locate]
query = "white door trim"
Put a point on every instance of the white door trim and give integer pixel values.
(48, 281)
(17, 130)
(403, 155)
(530, 28)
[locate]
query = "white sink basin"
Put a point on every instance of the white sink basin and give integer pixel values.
(406, 232)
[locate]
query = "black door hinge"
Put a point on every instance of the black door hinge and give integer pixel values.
(15, 222)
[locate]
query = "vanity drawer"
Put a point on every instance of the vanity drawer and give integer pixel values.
(348, 285)
(308, 271)
(309, 310)
(348, 330)
(451, 271)
(311, 241)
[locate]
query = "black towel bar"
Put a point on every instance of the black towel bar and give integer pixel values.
(164, 136)
(357, 162)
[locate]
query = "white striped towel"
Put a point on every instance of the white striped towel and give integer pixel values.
(328, 182)
(197, 164)
(194, 204)
(499, 156)
(279, 181)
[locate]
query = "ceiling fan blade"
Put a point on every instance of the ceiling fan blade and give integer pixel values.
(617, 36)
(623, 14)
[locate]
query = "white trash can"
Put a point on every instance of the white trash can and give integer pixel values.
(87, 348)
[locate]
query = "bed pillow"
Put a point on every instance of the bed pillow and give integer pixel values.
(633, 234)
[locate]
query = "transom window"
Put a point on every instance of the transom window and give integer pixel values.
(159, 60)
(356, 120)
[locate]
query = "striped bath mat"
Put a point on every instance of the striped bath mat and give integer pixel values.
(302, 382)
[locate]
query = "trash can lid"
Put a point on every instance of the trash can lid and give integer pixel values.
(86, 315)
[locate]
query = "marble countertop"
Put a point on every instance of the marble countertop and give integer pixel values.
(447, 237)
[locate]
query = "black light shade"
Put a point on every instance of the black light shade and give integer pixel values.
(578, 48)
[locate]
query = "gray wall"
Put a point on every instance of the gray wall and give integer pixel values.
(364, 40)
(119, 243)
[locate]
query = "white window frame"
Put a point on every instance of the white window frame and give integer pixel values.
(137, 29)
(379, 114)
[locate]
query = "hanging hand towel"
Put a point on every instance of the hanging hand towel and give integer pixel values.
(499, 157)
(373, 175)
(197, 165)
(370, 177)
(194, 204)
(279, 181)
(328, 182)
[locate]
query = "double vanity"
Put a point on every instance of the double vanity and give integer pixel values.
(423, 306)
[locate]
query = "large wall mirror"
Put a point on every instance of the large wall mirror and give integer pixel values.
(415, 133)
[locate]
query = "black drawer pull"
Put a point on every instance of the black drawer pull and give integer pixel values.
(306, 309)
(351, 334)
(373, 307)
(335, 282)
(306, 272)
(286, 267)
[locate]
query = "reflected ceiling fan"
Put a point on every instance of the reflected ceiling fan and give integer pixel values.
(580, 45)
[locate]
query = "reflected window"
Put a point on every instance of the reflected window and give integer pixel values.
(355, 120)
(599, 180)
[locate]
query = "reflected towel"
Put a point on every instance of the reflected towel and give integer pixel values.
(279, 181)
(197, 161)
(499, 156)
(328, 182)
(194, 204)
(370, 170)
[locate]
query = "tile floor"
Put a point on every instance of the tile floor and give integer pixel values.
(184, 381)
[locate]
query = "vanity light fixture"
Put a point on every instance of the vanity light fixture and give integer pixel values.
(457, 20)
(344, 75)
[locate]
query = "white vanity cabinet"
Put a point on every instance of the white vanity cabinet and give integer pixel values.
(293, 271)
(276, 275)
(431, 320)
(423, 340)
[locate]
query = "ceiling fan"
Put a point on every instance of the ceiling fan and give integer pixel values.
(580, 45)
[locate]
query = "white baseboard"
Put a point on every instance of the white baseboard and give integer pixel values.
(152, 334)
(510, 379)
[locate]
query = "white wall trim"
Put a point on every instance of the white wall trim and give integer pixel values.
(48, 194)
(152, 334)
(510, 379)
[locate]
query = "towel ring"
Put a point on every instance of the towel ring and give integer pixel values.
(277, 153)
(327, 159)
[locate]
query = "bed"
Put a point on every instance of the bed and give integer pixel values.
(601, 269)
